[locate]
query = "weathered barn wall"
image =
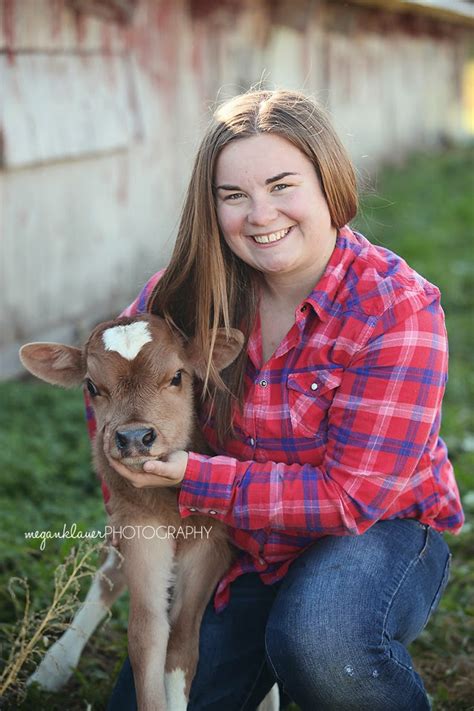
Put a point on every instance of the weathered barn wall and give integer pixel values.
(99, 123)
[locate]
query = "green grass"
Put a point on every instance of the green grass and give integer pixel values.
(46, 482)
(424, 211)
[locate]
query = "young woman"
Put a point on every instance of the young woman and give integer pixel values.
(329, 469)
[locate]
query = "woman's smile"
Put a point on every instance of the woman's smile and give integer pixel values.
(272, 237)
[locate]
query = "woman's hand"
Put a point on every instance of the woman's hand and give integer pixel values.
(155, 473)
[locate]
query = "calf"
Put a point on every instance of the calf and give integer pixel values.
(139, 374)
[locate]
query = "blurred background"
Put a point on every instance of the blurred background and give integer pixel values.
(104, 101)
(102, 104)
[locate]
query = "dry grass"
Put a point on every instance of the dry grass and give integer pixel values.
(28, 638)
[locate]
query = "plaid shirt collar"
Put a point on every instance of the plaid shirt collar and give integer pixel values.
(322, 300)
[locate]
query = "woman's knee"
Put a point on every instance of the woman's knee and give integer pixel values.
(317, 658)
(342, 671)
(327, 637)
(318, 623)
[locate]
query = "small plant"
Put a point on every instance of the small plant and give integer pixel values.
(25, 640)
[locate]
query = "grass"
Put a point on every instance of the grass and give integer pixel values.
(44, 485)
(424, 211)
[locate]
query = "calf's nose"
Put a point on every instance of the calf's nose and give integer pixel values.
(130, 439)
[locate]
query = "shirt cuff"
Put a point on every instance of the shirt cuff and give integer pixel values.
(208, 486)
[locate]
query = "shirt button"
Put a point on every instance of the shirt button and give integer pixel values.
(252, 442)
(192, 509)
(304, 307)
(261, 561)
(314, 386)
(263, 383)
(212, 512)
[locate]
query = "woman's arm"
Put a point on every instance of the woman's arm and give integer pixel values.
(383, 420)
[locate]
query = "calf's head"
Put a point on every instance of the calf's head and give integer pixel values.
(139, 376)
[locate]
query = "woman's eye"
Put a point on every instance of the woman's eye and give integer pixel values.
(176, 380)
(234, 196)
(280, 186)
(91, 388)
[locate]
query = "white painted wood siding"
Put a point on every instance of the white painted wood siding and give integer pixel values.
(99, 123)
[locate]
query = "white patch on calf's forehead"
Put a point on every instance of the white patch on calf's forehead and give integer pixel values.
(127, 341)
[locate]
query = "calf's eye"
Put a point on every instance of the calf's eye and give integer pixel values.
(176, 380)
(91, 388)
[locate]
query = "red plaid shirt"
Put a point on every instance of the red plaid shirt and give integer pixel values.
(340, 427)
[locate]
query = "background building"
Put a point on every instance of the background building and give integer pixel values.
(102, 103)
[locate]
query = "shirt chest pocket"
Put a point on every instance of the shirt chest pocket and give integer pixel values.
(310, 395)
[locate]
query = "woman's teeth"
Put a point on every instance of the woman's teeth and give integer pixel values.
(272, 237)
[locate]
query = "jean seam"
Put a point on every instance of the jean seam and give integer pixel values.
(440, 589)
(269, 659)
(262, 666)
(414, 561)
(410, 670)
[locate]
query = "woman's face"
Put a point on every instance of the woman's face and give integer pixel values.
(271, 208)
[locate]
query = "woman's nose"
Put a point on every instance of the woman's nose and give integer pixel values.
(262, 212)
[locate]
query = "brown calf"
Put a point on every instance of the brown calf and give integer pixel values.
(140, 374)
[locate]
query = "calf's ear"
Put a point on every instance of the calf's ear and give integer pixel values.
(227, 347)
(54, 363)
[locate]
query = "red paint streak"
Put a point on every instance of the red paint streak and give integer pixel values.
(81, 27)
(197, 58)
(197, 61)
(57, 9)
(106, 35)
(106, 44)
(421, 25)
(154, 41)
(138, 130)
(385, 23)
(8, 28)
(210, 21)
(201, 9)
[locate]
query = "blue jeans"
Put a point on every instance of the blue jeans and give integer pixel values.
(333, 633)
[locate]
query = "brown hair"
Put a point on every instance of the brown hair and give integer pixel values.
(205, 286)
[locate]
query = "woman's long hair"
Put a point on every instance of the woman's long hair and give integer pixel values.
(205, 286)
